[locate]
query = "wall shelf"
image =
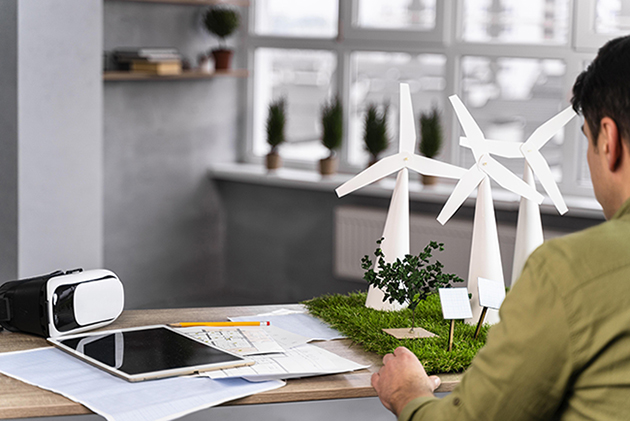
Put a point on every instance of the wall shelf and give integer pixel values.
(241, 3)
(186, 75)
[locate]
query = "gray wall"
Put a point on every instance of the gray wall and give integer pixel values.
(8, 140)
(51, 129)
(280, 240)
(164, 232)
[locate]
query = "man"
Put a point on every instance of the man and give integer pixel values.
(562, 348)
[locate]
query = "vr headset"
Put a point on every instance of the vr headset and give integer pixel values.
(61, 303)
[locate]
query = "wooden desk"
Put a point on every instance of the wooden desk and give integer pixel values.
(20, 400)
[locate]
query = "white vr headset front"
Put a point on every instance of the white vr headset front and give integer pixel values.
(61, 303)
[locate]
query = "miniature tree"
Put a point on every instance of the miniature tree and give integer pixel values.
(332, 133)
(409, 280)
(430, 139)
(276, 122)
(221, 21)
(375, 131)
(430, 133)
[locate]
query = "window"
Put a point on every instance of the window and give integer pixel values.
(396, 14)
(512, 62)
(304, 78)
(516, 21)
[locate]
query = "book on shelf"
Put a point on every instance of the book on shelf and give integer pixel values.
(173, 67)
(124, 58)
(146, 53)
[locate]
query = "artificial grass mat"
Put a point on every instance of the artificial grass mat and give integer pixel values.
(348, 314)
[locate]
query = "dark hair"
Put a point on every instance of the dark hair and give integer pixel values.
(603, 89)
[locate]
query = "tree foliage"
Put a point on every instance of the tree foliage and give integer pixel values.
(375, 130)
(332, 125)
(276, 121)
(221, 21)
(430, 133)
(410, 280)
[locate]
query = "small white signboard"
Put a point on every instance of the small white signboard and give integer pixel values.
(491, 293)
(455, 303)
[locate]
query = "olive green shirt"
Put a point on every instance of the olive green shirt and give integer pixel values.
(562, 347)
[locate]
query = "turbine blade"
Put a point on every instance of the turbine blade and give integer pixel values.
(546, 131)
(506, 179)
(427, 166)
(465, 186)
(407, 139)
(468, 123)
(540, 167)
(498, 147)
(382, 168)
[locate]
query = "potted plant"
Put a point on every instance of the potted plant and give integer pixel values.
(410, 280)
(430, 138)
(375, 132)
(221, 21)
(276, 121)
(332, 134)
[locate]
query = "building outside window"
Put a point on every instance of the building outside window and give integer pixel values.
(513, 63)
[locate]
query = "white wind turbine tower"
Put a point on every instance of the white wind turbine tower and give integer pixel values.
(529, 231)
(396, 232)
(485, 256)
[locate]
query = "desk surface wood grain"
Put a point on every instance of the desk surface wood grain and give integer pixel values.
(21, 400)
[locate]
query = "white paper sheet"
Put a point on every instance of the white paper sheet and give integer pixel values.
(491, 293)
(455, 303)
(303, 361)
(245, 340)
(117, 399)
(299, 323)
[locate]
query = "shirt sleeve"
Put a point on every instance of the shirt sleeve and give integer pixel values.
(522, 372)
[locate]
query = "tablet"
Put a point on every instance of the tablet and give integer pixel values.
(148, 352)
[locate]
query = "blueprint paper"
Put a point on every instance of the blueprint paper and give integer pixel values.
(245, 341)
(118, 399)
(303, 361)
(297, 323)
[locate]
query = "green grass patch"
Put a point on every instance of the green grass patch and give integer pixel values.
(348, 314)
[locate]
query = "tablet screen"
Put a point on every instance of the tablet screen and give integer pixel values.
(140, 351)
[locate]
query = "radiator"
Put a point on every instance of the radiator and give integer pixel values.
(358, 228)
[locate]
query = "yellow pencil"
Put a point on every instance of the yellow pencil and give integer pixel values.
(219, 324)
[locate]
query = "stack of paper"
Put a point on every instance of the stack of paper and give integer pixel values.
(281, 351)
(120, 400)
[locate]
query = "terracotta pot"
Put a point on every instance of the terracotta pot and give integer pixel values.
(222, 59)
(328, 166)
(273, 161)
(428, 180)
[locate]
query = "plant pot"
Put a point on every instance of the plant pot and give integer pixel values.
(273, 161)
(222, 59)
(328, 166)
(428, 180)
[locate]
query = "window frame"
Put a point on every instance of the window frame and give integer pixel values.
(445, 39)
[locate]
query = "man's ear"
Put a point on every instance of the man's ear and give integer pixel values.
(611, 142)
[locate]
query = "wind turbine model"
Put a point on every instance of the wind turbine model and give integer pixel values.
(395, 242)
(485, 256)
(529, 231)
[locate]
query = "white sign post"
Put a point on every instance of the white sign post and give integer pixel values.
(455, 305)
(491, 295)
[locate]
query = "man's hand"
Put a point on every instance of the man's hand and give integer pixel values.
(402, 379)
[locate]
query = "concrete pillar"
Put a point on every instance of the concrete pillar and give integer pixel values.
(51, 145)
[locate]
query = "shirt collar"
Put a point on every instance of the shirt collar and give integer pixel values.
(623, 210)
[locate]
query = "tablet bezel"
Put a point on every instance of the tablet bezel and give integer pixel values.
(150, 375)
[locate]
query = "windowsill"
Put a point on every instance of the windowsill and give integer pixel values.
(581, 207)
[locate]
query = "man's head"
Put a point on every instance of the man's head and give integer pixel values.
(602, 94)
(603, 90)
